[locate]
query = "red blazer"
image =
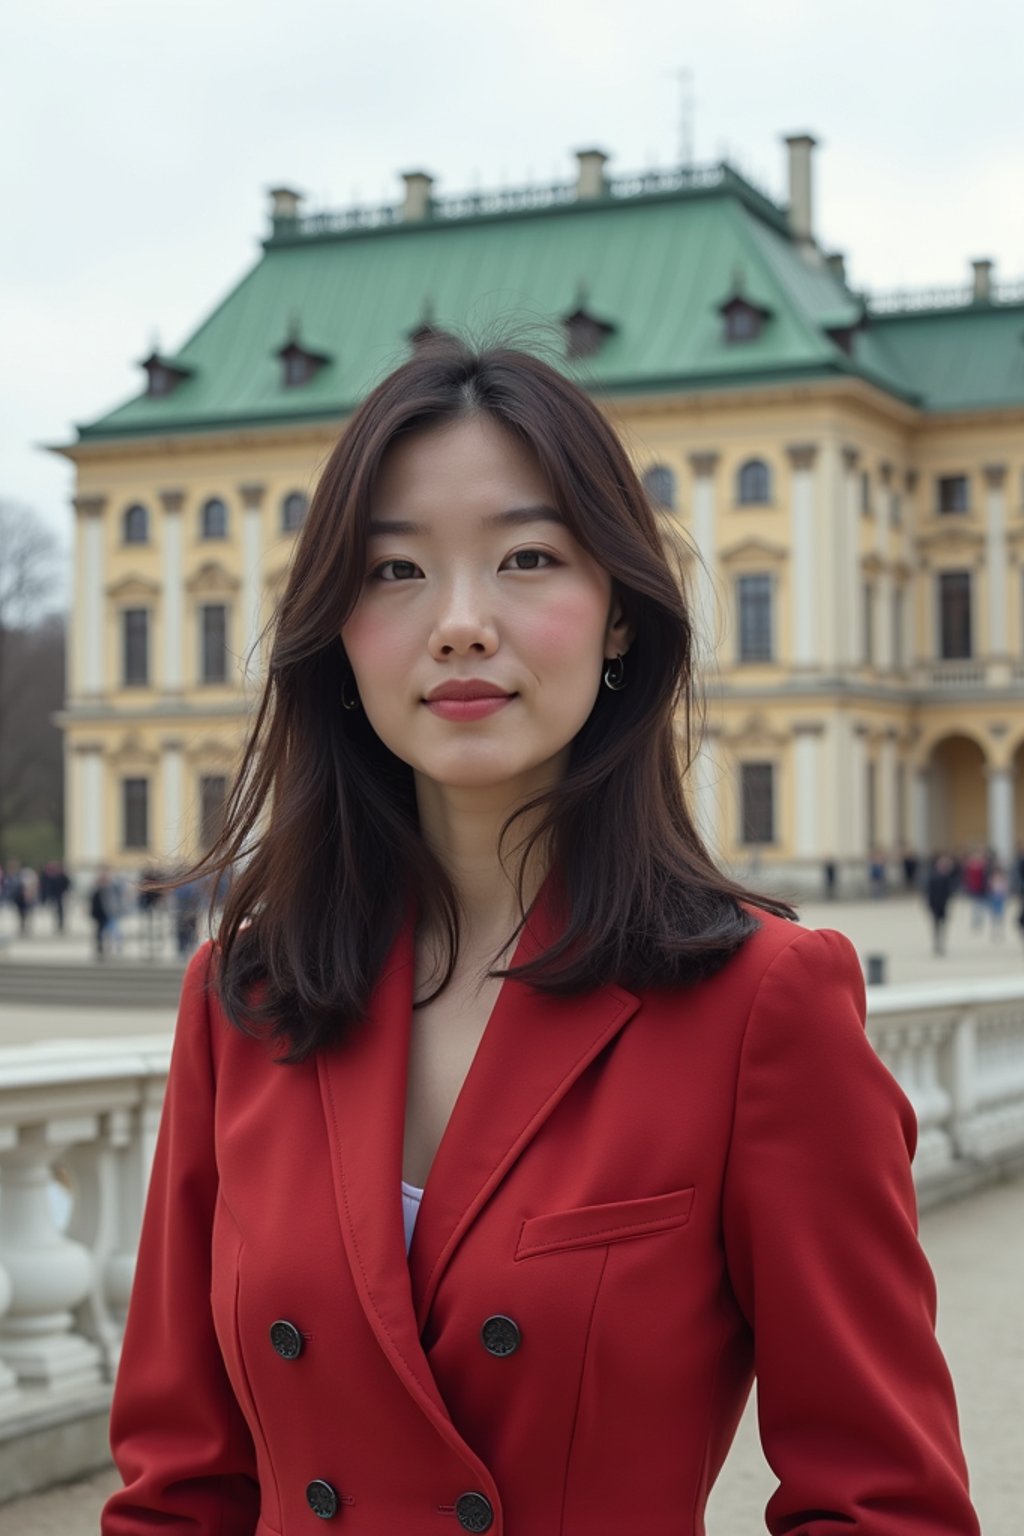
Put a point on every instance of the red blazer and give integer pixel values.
(641, 1199)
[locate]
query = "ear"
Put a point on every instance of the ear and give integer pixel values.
(619, 632)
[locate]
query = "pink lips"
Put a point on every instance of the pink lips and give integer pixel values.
(469, 709)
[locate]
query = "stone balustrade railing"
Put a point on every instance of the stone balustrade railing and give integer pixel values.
(78, 1123)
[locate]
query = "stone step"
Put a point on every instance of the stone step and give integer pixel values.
(99, 984)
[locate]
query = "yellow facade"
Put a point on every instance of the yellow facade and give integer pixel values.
(899, 749)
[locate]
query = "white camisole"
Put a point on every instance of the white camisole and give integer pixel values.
(411, 1197)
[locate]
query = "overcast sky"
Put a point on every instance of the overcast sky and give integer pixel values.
(139, 142)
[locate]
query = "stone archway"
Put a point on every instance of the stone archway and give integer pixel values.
(958, 811)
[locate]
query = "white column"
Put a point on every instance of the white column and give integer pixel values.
(704, 792)
(87, 824)
(174, 590)
(911, 585)
(886, 793)
(88, 676)
(852, 652)
(995, 557)
(883, 621)
(173, 770)
(832, 562)
(805, 558)
(1000, 813)
(858, 800)
(807, 753)
(252, 578)
(705, 617)
(920, 818)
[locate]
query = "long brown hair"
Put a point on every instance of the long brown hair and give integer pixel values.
(321, 828)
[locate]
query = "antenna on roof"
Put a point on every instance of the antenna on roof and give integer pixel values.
(686, 116)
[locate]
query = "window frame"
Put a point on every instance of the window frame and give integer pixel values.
(204, 530)
(127, 809)
(128, 681)
(942, 510)
(767, 579)
(745, 841)
(126, 524)
(745, 500)
(942, 588)
(202, 609)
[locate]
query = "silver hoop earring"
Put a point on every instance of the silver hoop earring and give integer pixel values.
(615, 674)
(348, 703)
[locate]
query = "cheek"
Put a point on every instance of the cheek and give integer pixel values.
(571, 629)
(373, 643)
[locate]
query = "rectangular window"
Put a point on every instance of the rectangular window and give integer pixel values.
(897, 627)
(952, 493)
(865, 492)
(872, 798)
(896, 510)
(135, 813)
(901, 803)
(868, 598)
(213, 643)
(213, 790)
(954, 615)
(755, 617)
(757, 802)
(135, 646)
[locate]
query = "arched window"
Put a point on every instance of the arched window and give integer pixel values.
(213, 520)
(136, 525)
(293, 510)
(755, 483)
(660, 484)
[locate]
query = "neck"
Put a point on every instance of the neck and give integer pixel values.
(462, 828)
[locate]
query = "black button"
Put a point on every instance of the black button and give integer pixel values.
(474, 1511)
(501, 1335)
(323, 1500)
(286, 1339)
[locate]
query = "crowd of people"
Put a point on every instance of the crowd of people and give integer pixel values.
(108, 899)
(980, 876)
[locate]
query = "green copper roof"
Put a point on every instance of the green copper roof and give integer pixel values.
(656, 262)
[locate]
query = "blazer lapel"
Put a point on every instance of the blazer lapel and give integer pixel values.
(363, 1088)
(534, 1048)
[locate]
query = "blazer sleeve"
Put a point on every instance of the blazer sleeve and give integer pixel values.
(176, 1432)
(855, 1403)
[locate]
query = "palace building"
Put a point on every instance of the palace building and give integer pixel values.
(848, 472)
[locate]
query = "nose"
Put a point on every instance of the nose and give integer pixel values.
(465, 622)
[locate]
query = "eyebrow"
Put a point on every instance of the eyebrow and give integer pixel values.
(512, 518)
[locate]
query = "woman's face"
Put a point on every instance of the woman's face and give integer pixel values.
(471, 575)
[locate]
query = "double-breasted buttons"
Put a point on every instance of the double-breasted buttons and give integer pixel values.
(323, 1500)
(500, 1335)
(474, 1512)
(286, 1339)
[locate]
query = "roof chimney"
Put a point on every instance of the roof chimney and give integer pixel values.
(836, 263)
(590, 176)
(418, 187)
(284, 204)
(801, 206)
(982, 281)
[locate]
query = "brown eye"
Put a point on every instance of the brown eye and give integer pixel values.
(532, 555)
(402, 568)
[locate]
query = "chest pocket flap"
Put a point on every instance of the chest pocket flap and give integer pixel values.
(617, 1221)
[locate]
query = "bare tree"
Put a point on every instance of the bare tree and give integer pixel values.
(31, 670)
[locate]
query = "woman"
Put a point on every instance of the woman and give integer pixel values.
(478, 951)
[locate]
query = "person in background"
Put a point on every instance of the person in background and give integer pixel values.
(54, 885)
(998, 894)
(938, 893)
(975, 882)
(910, 868)
(877, 873)
(101, 900)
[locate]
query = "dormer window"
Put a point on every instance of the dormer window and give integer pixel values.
(163, 375)
(743, 319)
(585, 331)
(299, 365)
